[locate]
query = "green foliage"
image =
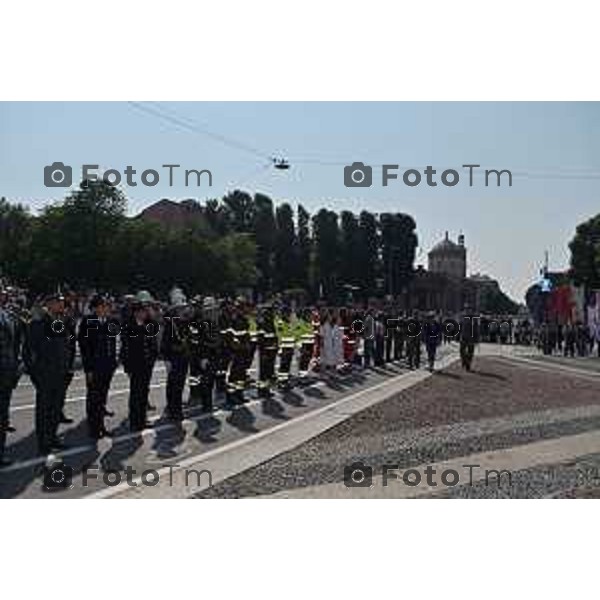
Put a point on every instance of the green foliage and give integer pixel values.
(585, 253)
(496, 302)
(398, 247)
(285, 247)
(327, 251)
(87, 241)
(265, 236)
(16, 227)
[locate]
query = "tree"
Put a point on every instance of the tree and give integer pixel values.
(285, 247)
(71, 241)
(265, 233)
(367, 262)
(216, 217)
(327, 251)
(495, 301)
(398, 248)
(238, 252)
(585, 253)
(304, 248)
(238, 207)
(349, 248)
(15, 235)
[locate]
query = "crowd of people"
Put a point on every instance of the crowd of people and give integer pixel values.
(206, 343)
(210, 345)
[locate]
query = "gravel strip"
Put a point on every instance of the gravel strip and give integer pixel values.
(433, 421)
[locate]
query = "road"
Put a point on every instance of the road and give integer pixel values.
(535, 417)
(164, 444)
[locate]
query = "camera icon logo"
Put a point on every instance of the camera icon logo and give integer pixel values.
(358, 475)
(58, 175)
(58, 476)
(358, 175)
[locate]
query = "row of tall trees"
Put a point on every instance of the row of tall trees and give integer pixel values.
(238, 241)
(323, 253)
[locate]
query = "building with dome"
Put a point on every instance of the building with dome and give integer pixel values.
(449, 258)
(444, 285)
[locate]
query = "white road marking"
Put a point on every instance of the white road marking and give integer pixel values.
(81, 377)
(81, 398)
(39, 460)
(271, 448)
(541, 366)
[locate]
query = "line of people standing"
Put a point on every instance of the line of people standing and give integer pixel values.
(44, 343)
(45, 347)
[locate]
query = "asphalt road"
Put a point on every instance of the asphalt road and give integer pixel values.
(162, 445)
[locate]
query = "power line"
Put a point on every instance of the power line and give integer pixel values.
(170, 116)
(189, 125)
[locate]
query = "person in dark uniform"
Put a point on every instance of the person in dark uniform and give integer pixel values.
(11, 339)
(139, 351)
(47, 358)
(414, 336)
(175, 350)
(380, 332)
(398, 335)
(239, 318)
(368, 333)
(209, 351)
(389, 335)
(268, 345)
(570, 339)
(432, 333)
(98, 344)
(469, 336)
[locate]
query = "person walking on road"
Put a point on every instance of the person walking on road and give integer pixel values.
(469, 336)
(413, 342)
(433, 335)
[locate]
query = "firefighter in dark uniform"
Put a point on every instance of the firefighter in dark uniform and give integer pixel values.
(139, 351)
(11, 339)
(209, 350)
(175, 349)
(268, 345)
(48, 358)
(98, 344)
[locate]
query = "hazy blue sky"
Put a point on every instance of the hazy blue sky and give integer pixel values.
(506, 229)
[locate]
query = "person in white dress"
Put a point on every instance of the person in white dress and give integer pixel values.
(337, 334)
(326, 338)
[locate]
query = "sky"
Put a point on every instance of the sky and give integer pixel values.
(552, 149)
